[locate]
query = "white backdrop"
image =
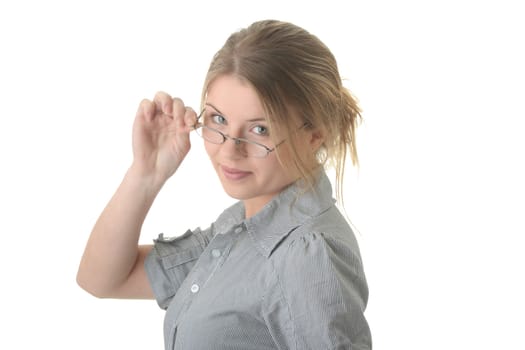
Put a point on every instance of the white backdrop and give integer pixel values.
(438, 200)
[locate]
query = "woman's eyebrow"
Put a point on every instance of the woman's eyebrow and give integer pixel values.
(212, 106)
(256, 120)
(259, 119)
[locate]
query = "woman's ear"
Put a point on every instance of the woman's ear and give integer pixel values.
(316, 139)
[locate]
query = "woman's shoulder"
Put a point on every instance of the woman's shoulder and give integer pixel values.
(328, 226)
(327, 236)
(321, 252)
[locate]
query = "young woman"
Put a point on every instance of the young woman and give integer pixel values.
(281, 269)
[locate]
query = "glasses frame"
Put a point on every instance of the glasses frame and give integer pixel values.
(237, 140)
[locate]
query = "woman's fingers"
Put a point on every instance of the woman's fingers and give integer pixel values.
(190, 118)
(146, 109)
(163, 103)
(166, 107)
(177, 107)
(180, 112)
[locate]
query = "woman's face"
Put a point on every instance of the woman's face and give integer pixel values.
(233, 107)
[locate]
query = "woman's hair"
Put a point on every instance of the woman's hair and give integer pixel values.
(296, 77)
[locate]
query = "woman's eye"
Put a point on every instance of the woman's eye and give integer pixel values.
(260, 130)
(218, 119)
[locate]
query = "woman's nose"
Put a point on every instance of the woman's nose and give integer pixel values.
(233, 147)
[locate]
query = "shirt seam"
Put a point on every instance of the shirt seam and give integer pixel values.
(288, 307)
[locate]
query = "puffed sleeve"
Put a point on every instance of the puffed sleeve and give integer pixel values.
(170, 261)
(322, 296)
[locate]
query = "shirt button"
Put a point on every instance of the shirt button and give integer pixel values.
(216, 253)
(194, 288)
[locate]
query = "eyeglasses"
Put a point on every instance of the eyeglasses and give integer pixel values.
(248, 148)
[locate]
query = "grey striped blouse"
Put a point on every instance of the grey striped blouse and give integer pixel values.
(290, 277)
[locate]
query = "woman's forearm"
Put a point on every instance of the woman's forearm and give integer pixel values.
(112, 250)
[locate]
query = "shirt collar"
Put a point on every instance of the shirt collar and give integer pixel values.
(285, 212)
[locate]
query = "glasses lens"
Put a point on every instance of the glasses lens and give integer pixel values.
(210, 135)
(254, 150)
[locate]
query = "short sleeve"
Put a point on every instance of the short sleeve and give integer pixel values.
(170, 261)
(323, 296)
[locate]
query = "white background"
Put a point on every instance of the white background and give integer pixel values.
(438, 200)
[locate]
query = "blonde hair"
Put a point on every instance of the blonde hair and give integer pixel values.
(295, 75)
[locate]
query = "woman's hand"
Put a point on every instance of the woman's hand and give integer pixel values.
(161, 136)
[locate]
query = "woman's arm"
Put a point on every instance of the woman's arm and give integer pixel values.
(112, 265)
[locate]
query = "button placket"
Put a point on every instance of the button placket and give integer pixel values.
(209, 265)
(219, 248)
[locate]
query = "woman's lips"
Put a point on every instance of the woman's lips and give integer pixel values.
(234, 174)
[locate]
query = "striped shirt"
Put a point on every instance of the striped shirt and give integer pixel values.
(290, 277)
